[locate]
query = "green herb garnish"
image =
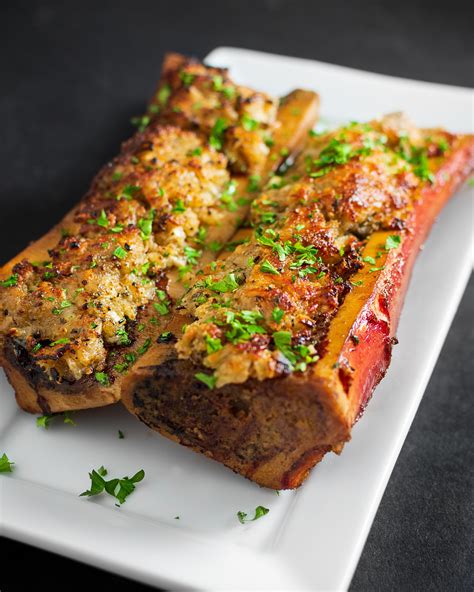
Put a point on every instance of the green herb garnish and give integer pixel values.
(120, 253)
(259, 512)
(248, 123)
(144, 347)
(62, 306)
(9, 282)
(216, 138)
(6, 464)
(227, 196)
(164, 94)
(267, 267)
(213, 344)
(146, 225)
(141, 122)
(187, 78)
(44, 421)
(128, 192)
(208, 379)
(102, 378)
(277, 314)
(62, 341)
(254, 183)
(393, 241)
(227, 284)
(179, 207)
(118, 488)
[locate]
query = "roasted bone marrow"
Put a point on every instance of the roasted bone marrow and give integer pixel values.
(281, 342)
(80, 312)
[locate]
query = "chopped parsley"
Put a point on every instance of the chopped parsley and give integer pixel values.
(192, 255)
(216, 138)
(62, 341)
(267, 267)
(282, 340)
(128, 192)
(62, 306)
(217, 82)
(259, 512)
(208, 379)
(187, 78)
(242, 326)
(249, 124)
(277, 314)
(421, 165)
(123, 338)
(120, 252)
(165, 337)
(164, 94)
(215, 246)
(102, 378)
(227, 196)
(179, 207)
(141, 122)
(9, 282)
(161, 308)
(144, 347)
(254, 183)
(227, 284)
(267, 241)
(118, 488)
(6, 464)
(120, 435)
(44, 421)
(146, 225)
(213, 344)
(370, 260)
(335, 153)
(393, 241)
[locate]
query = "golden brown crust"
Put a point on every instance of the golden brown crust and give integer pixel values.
(55, 377)
(274, 431)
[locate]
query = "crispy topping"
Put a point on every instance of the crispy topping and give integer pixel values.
(277, 293)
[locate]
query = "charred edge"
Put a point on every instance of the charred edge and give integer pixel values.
(19, 358)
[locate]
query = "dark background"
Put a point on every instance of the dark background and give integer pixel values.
(72, 75)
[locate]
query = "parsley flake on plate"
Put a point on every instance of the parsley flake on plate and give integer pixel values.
(259, 512)
(5, 464)
(44, 421)
(120, 489)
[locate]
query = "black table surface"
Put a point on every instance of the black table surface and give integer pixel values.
(73, 73)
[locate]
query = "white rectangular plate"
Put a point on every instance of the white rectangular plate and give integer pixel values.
(312, 538)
